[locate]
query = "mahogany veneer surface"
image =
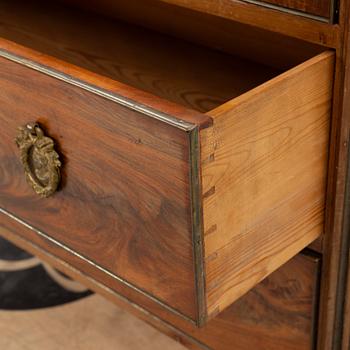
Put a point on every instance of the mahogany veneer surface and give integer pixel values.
(117, 206)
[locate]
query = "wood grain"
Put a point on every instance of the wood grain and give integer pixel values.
(319, 8)
(184, 73)
(264, 176)
(101, 85)
(278, 313)
(125, 199)
(276, 21)
(80, 269)
(345, 331)
(258, 211)
(239, 39)
(335, 230)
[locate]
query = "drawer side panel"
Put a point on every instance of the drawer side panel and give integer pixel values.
(264, 177)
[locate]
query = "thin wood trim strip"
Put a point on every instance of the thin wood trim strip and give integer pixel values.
(342, 283)
(197, 226)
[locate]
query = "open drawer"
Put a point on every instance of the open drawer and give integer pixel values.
(188, 175)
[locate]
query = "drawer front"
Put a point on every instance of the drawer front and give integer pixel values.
(124, 201)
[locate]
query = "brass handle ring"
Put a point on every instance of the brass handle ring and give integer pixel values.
(40, 160)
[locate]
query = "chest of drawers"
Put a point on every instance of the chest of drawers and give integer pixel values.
(170, 173)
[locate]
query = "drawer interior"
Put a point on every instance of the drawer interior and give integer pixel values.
(191, 75)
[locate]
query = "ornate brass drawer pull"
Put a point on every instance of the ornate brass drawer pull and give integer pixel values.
(40, 160)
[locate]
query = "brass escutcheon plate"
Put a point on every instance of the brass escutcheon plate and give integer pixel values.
(40, 160)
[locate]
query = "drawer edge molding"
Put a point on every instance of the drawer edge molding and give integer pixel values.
(197, 226)
(177, 116)
(183, 125)
(60, 245)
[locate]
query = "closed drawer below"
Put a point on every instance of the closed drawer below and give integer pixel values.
(281, 312)
(319, 9)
